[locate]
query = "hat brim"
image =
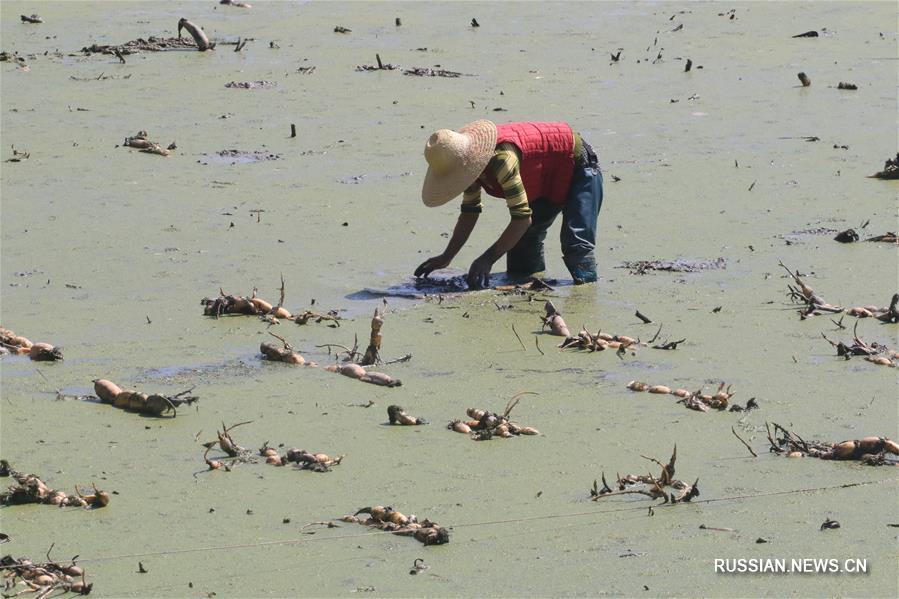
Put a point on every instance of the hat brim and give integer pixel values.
(440, 189)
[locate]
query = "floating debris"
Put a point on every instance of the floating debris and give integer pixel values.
(262, 84)
(847, 236)
(151, 44)
(140, 142)
(428, 72)
(890, 170)
(816, 305)
(18, 156)
(397, 415)
(302, 459)
(390, 520)
(233, 157)
(382, 66)
(485, 425)
(697, 400)
(31, 489)
(355, 371)
(39, 352)
(134, 401)
(873, 352)
(43, 579)
(349, 367)
(665, 486)
(197, 33)
(889, 237)
(226, 303)
(342, 29)
(284, 354)
(868, 450)
(31, 19)
(639, 267)
(553, 319)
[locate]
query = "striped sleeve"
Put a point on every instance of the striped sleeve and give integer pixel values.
(504, 166)
(471, 199)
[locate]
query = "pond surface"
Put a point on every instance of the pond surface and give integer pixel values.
(107, 251)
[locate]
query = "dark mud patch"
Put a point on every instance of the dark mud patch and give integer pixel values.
(420, 288)
(639, 267)
(238, 157)
(152, 44)
(807, 232)
(427, 72)
(189, 375)
(262, 84)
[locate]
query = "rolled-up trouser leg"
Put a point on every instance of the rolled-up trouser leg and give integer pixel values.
(526, 258)
(579, 222)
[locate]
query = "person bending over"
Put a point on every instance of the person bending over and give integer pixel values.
(541, 169)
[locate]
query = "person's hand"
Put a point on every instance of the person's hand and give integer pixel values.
(479, 273)
(431, 264)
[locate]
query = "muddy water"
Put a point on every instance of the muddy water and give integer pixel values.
(97, 240)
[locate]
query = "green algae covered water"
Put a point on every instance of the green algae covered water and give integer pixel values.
(106, 252)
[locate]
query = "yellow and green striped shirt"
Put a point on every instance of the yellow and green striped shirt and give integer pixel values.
(504, 166)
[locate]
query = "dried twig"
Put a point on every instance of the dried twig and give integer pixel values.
(754, 454)
(519, 338)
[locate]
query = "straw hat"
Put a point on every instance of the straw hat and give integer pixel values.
(455, 159)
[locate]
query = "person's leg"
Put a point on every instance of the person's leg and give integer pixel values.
(579, 222)
(526, 258)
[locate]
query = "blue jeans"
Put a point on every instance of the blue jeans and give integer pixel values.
(580, 214)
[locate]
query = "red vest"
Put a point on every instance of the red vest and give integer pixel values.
(547, 159)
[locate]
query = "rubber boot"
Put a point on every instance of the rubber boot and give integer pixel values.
(583, 269)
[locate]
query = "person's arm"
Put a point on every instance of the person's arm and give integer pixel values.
(471, 209)
(464, 226)
(505, 168)
(480, 269)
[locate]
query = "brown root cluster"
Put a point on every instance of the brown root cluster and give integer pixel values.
(16, 344)
(355, 371)
(354, 363)
(285, 353)
(390, 520)
(300, 458)
(397, 415)
(528, 288)
(31, 489)
(135, 401)
(141, 142)
(228, 304)
(42, 579)
(553, 319)
(868, 450)
(485, 425)
(814, 304)
(664, 486)
(873, 352)
(697, 400)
